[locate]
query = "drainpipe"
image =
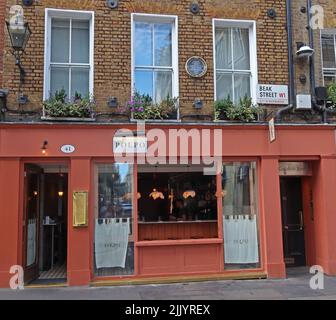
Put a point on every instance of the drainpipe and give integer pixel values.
(290, 63)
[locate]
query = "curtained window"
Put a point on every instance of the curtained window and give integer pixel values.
(235, 75)
(329, 56)
(69, 54)
(153, 57)
(240, 215)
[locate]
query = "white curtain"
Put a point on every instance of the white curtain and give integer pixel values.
(241, 240)
(31, 242)
(111, 242)
(60, 53)
(230, 78)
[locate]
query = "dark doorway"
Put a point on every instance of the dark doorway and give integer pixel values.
(45, 223)
(293, 221)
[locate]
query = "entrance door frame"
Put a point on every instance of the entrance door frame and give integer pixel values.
(307, 192)
(37, 161)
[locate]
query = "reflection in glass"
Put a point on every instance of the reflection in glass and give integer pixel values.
(80, 42)
(114, 242)
(60, 39)
(163, 45)
(241, 49)
(240, 215)
(144, 82)
(59, 79)
(177, 202)
(143, 44)
(242, 86)
(223, 48)
(80, 81)
(224, 86)
(164, 83)
(233, 74)
(153, 60)
(64, 62)
(328, 51)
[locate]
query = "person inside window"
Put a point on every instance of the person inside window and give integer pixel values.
(179, 212)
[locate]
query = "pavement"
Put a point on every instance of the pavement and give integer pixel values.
(296, 286)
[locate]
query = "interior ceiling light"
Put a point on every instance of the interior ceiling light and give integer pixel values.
(156, 195)
(189, 194)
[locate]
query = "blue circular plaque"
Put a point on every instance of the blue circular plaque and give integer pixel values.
(196, 67)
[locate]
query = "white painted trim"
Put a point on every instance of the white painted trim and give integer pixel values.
(252, 26)
(156, 18)
(67, 14)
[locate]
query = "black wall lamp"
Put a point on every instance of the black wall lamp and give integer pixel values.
(44, 147)
(19, 34)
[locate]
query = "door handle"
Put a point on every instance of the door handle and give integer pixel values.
(301, 220)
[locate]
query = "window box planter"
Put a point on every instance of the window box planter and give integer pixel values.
(244, 112)
(142, 108)
(58, 108)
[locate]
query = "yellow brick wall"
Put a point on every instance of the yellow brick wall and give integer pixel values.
(112, 70)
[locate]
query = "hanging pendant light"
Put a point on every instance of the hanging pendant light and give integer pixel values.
(156, 195)
(189, 194)
(139, 195)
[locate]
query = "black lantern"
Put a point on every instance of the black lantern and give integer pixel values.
(19, 34)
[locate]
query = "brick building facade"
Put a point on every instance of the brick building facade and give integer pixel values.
(73, 207)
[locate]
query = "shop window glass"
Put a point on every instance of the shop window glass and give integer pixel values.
(175, 203)
(113, 241)
(240, 215)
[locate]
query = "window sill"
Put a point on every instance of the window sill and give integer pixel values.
(67, 119)
(177, 222)
(159, 243)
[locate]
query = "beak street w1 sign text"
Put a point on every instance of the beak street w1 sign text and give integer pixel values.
(272, 94)
(129, 145)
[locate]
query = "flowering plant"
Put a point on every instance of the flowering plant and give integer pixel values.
(143, 108)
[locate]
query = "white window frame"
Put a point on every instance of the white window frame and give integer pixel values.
(157, 18)
(252, 27)
(331, 32)
(66, 14)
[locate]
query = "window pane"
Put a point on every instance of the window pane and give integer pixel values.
(241, 49)
(143, 44)
(223, 48)
(144, 82)
(80, 41)
(240, 215)
(80, 82)
(163, 85)
(329, 79)
(224, 86)
(171, 198)
(60, 35)
(328, 50)
(242, 86)
(59, 79)
(114, 242)
(163, 45)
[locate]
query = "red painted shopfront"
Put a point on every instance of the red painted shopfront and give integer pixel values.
(171, 248)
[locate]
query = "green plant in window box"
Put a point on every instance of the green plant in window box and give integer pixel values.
(245, 111)
(143, 108)
(59, 107)
(332, 95)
